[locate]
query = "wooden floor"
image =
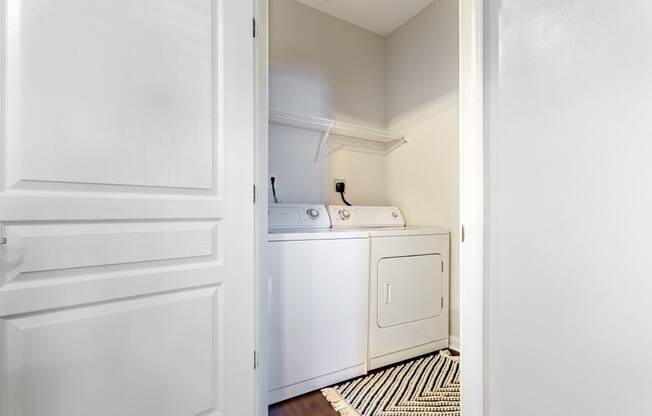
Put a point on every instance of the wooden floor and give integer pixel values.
(310, 404)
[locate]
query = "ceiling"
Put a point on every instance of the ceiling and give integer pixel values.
(379, 16)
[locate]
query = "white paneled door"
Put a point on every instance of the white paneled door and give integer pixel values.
(126, 212)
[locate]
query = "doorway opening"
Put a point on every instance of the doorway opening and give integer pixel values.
(372, 107)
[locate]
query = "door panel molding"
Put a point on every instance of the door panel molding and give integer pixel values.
(41, 250)
(78, 207)
(139, 93)
(89, 341)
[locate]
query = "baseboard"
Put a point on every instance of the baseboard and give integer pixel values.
(297, 389)
(406, 354)
(454, 343)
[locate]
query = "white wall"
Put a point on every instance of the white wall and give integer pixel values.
(422, 100)
(323, 66)
(569, 202)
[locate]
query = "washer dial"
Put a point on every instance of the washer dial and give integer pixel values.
(313, 213)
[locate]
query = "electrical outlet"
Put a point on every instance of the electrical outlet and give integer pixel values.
(336, 181)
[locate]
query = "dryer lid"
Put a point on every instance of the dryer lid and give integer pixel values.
(365, 216)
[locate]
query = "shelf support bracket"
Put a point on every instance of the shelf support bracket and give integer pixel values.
(333, 150)
(322, 142)
(396, 145)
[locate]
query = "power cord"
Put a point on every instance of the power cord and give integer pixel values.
(339, 188)
(273, 179)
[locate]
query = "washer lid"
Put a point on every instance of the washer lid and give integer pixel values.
(297, 216)
(365, 216)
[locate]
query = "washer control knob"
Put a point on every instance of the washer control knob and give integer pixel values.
(394, 214)
(313, 213)
(345, 214)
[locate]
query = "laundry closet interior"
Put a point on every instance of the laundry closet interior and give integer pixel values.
(363, 110)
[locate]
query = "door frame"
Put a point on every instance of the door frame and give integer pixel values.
(261, 156)
(472, 208)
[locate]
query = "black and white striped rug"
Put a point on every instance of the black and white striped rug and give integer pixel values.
(427, 386)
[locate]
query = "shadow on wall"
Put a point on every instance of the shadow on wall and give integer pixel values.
(422, 80)
(421, 89)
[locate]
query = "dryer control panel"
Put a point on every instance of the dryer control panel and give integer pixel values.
(297, 216)
(365, 216)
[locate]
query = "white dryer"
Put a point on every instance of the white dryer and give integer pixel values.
(318, 301)
(408, 281)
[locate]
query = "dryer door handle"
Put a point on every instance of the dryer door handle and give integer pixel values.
(388, 293)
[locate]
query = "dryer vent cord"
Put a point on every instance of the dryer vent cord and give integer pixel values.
(339, 188)
(273, 179)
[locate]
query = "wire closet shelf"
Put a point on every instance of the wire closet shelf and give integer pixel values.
(340, 135)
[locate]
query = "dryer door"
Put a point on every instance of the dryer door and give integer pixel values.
(409, 289)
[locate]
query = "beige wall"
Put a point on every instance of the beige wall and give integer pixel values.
(323, 66)
(422, 100)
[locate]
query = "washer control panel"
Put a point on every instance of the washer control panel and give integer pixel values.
(297, 216)
(365, 216)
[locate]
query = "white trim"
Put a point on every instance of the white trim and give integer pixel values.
(260, 179)
(454, 343)
(314, 384)
(472, 292)
(406, 354)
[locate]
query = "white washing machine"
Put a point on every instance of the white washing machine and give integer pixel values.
(408, 283)
(319, 294)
